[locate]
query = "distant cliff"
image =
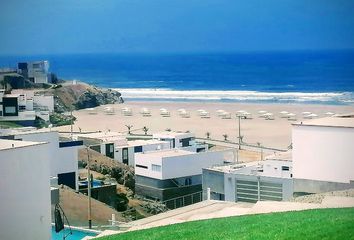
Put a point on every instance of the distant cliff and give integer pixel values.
(81, 95)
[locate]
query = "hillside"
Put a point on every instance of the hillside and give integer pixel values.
(309, 224)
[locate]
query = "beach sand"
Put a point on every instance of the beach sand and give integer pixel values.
(270, 133)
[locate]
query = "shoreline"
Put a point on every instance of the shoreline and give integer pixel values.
(270, 133)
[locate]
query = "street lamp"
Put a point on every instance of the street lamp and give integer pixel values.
(89, 188)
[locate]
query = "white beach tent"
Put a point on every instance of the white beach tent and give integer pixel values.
(291, 116)
(269, 116)
(91, 111)
(310, 116)
(127, 111)
(330, 113)
(164, 112)
(204, 114)
(306, 113)
(145, 112)
(109, 111)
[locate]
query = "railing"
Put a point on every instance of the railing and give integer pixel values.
(185, 200)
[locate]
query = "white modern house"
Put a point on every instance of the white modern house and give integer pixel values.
(25, 209)
(169, 174)
(23, 106)
(117, 147)
(323, 154)
(182, 140)
(62, 156)
(37, 71)
(250, 182)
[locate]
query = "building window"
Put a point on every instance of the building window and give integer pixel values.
(156, 168)
(141, 166)
(285, 168)
(138, 149)
(9, 110)
(188, 181)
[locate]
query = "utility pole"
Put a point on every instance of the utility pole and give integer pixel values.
(89, 188)
(71, 123)
(239, 132)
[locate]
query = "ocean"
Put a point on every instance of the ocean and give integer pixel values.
(316, 77)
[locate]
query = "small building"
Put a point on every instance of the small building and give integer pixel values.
(63, 154)
(250, 182)
(36, 72)
(22, 107)
(115, 145)
(172, 174)
(182, 140)
(25, 197)
(323, 154)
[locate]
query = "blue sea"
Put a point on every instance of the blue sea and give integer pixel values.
(319, 77)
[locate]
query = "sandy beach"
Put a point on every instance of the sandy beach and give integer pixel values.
(271, 133)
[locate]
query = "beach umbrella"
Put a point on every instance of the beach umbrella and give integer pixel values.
(283, 112)
(262, 112)
(306, 113)
(291, 114)
(312, 115)
(330, 113)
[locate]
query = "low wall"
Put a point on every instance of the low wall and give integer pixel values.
(314, 186)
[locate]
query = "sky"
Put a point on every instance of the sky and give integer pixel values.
(173, 26)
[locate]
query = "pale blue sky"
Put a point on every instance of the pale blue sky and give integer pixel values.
(93, 26)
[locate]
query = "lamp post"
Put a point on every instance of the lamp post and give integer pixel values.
(89, 188)
(239, 132)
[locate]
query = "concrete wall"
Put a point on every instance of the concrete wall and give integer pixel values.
(313, 186)
(62, 160)
(46, 101)
(25, 193)
(177, 166)
(323, 153)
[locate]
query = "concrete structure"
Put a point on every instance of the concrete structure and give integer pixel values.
(251, 182)
(173, 173)
(37, 71)
(181, 140)
(25, 207)
(323, 154)
(63, 156)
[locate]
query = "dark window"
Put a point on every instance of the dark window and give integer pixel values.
(125, 156)
(67, 179)
(188, 181)
(138, 149)
(141, 166)
(110, 150)
(10, 106)
(185, 142)
(285, 168)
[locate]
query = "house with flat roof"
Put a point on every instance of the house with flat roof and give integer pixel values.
(183, 140)
(25, 197)
(62, 155)
(250, 182)
(323, 154)
(115, 145)
(36, 72)
(174, 173)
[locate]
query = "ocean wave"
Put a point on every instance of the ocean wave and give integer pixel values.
(202, 95)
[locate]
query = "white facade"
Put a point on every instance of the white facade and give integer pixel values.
(175, 163)
(25, 209)
(323, 150)
(177, 139)
(63, 159)
(36, 71)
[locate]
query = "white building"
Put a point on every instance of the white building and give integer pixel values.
(173, 173)
(36, 72)
(250, 182)
(63, 155)
(117, 147)
(23, 106)
(185, 140)
(323, 154)
(25, 209)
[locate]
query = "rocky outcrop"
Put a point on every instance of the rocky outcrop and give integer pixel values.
(90, 99)
(79, 96)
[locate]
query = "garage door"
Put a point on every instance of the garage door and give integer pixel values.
(248, 191)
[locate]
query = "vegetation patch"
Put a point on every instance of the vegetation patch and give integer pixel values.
(309, 224)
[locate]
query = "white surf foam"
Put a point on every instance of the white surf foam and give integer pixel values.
(169, 94)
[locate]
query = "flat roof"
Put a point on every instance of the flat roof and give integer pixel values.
(281, 156)
(11, 144)
(168, 153)
(101, 135)
(24, 131)
(172, 134)
(144, 142)
(335, 121)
